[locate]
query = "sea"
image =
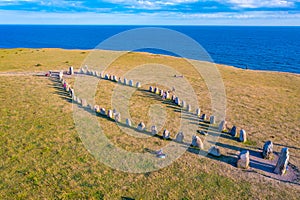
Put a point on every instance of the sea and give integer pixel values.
(253, 47)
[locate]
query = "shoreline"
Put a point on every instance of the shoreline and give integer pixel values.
(154, 54)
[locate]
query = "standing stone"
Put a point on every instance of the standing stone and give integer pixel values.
(118, 117)
(128, 122)
(203, 117)
(74, 98)
(243, 136)
(243, 160)
(161, 92)
(102, 111)
(78, 100)
(167, 95)
(151, 89)
(96, 108)
(177, 101)
(189, 108)
(71, 91)
(222, 126)
(67, 88)
(106, 77)
(282, 162)
(173, 98)
(60, 75)
(156, 90)
(125, 81)
(90, 106)
(141, 126)
(81, 71)
(83, 103)
(198, 112)
(233, 131)
(131, 83)
(214, 151)
(101, 74)
(110, 114)
(120, 81)
(197, 142)
(183, 104)
(179, 137)
(154, 130)
(138, 84)
(115, 78)
(267, 150)
(166, 134)
(94, 73)
(111, 77)
(212, 120)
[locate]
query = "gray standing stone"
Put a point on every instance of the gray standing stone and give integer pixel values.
(131, 83)
(214, 151)
(60, 75)
(267, 150)
(212, 120)
(166, 134)
(282, 162)
(154, 130)
(81, 71)
(95, 73)
(189, 108)
(141, 126)
(243, 160)
(128, 122)
(96, 108)
(120, 81)
(233, 131)
(67, 88)
(197, 142)
(83, 103)
(78, 100)
(72, 93)
(138, 85)
(118, 117)
(110, 114)
(74, 98)
(179, 137)
(115, 78)
(198, 112)
(177, 101)
(222, 126)
(173, 98)
(161, 92)
(102, 111)
(243, 136)
(125, 81)
(156, 90)
(203, 117)
(71, 71)
(111, 77)
(106, 77)
(183, 104)
(151, 89)
(167, 95)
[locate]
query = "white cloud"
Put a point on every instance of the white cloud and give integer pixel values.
(150, 4)
(262, 3)
(162, 18)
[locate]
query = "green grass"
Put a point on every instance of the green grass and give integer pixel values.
(42, 156)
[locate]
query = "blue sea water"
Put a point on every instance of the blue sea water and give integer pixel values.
(258, 48)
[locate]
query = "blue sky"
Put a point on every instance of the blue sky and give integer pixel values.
(151, 12)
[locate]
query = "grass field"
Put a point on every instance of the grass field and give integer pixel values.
(43, 157)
